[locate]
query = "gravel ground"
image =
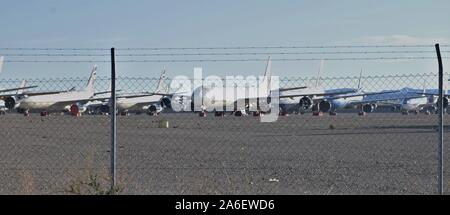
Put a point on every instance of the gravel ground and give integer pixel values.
(382, 153)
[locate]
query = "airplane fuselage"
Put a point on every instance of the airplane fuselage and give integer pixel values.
(415, 103)
(210, 99)
(55, 102)
(342, 103)
(137, 103)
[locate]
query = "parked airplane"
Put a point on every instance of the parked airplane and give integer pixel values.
(309, 97)
(60, 101)
(8, 101)
(151, 102)
(216, 99)
(1, 63)
(407, 100)
(427, 101)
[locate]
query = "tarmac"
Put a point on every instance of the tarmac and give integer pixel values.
(380, 153)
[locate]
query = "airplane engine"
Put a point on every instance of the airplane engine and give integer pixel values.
(432, 109)
(166, 102)
(324, 106)
(445, 102)
(369, 108)
(10, 103)
(74, 110)
(264, 104)
(154, 109)
(305, 103)
(192, 106)
(104, 109)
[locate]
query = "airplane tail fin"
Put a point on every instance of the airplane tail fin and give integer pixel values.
(424, 86)
(161, 86)
(91, 81)
(268, 76)
(1, 63)
(446, 86)
(360, 80)
(22, 85)
(319, 74)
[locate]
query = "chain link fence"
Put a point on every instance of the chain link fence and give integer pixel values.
(383, 152)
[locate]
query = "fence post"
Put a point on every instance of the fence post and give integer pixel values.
(112, 110)
(441, 124)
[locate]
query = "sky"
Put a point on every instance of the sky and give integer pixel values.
(214, 23)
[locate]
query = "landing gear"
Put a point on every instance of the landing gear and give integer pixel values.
(284, 113)
(238, 113)
(124, 113)
(416, 112)
(219, 114)
(153, 113)
(317, 113)
(333, 113)
(202, 114)
(405, 112)
(362, 113)
(44, 113)
(256, 113)
(2, 112)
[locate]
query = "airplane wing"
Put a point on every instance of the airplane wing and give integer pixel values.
(144, 94)
(292, 88)
(383, 100)
(318, 94)
(364, 94)
(15, 89)
(70, 102)
(105, 92)
(432, 94)
(30, 94)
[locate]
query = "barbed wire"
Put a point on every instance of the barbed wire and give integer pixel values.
(226, 48)
(289, 47)
(220, 54)
(225, 60)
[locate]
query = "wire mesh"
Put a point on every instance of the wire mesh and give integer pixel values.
(382, 152)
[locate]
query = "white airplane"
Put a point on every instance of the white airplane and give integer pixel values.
(217, 99)
(61, 101)
(10, 100)
(407, 100)
(424, 101)
(307, 98)
(151, 102)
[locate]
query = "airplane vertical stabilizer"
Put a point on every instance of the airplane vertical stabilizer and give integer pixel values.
(319, 74)
(267, 77)
(446, 86)
(161, 86)
(1, 63)
(22, 85)
(91, 81)
(360, 80)
(424, 86)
